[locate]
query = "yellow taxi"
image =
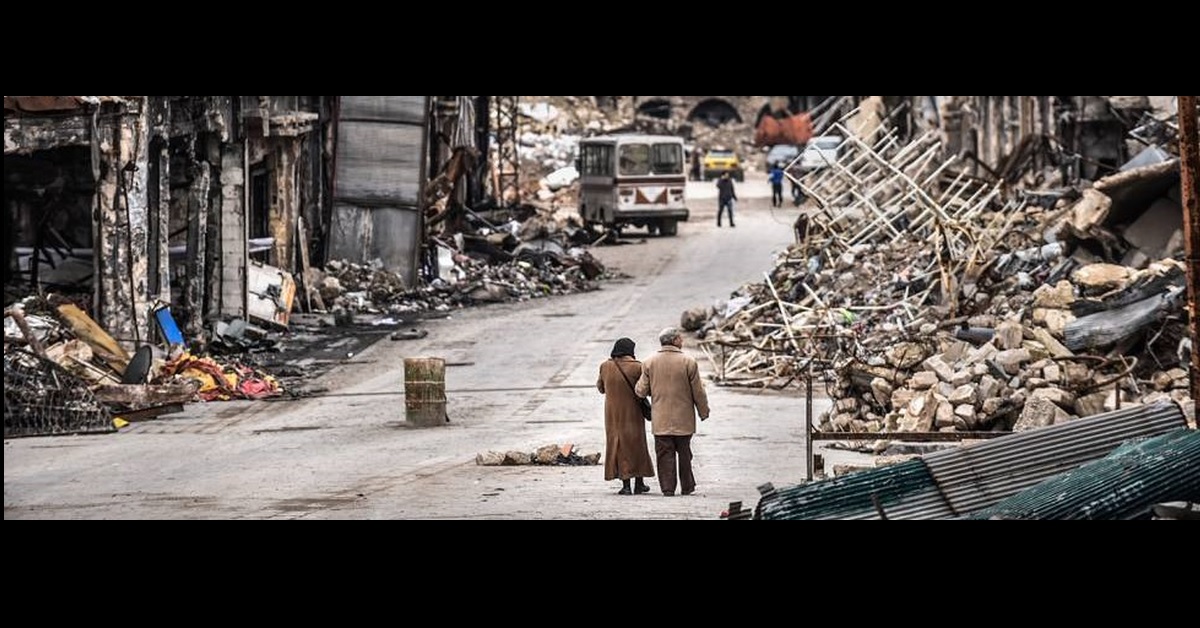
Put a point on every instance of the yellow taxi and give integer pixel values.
(718, 161)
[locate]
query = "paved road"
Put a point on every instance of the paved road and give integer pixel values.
(521, 376)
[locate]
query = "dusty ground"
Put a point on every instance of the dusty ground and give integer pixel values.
(520, 376)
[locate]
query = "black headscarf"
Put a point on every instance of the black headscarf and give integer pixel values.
(623, 346)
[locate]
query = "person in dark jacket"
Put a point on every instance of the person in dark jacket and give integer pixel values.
(726, 195)
(626, 455)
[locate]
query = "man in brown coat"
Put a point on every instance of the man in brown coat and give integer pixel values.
(671, 379)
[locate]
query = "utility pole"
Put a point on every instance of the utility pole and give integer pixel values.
(1189, 154)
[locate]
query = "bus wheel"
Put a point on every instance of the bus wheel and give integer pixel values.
(652, 228)
(669, 227)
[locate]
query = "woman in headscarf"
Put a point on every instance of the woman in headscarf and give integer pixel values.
(626, 455)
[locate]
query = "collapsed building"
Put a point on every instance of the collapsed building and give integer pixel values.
(989, 264)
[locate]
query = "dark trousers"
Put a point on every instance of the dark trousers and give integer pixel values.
(668, 449)
(722, 207)
(777, 194)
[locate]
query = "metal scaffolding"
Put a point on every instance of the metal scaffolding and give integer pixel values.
(508, 160)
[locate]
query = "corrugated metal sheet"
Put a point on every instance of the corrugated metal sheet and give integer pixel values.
(977, 476)
(378, 181)
(1124, 485)
(905, 491)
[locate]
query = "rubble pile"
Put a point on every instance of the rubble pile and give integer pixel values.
(930, 301)
(532, 271)
(51, 339)
(545, 455)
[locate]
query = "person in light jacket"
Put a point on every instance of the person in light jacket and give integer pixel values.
(671, 379)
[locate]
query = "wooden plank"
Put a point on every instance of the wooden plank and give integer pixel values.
(146, 395)
(103, 345)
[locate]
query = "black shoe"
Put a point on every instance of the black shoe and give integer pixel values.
(638, 490)
(688, 492)
(732, 225)
(668, 493)
(624, 491)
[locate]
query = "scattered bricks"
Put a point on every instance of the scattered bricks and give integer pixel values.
(956, 350)
(1052, 372)
(1039, 412)
(1088, 405)
(1009, 335)
(944, 390)
(966, 413)
(1035, 382)
(1077, 374)
(923, 408)
(547, 454)
(961, 377)
(927, 329)
(1064, 399)
(938, 365)
(892, 422)
(489, 459)
(1095, 279)
(963, 395)
(1161, 381)
(923, 380)
(1178, 375)
(1012, 359)
(1156, 397)
(1180, 395)
(988, 387)
(858, 426)
(978, 371)
(901, 397)
(519, 457)
(906, 355)
(1015, 382)
(847, 405)
(695, 318)
(991, 405)
(882, 390)
(1052, 345)
(1060, 296)
(944, 416)
(1055, 321)
(1036, 351)
(981, 354)
(843, 423)
(982, 320)
(874, 426)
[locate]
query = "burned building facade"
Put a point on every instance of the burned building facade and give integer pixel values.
(132, 203)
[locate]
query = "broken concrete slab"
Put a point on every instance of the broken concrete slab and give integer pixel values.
(1039, 412)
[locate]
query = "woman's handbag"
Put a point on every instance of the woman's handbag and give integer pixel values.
(642, 401)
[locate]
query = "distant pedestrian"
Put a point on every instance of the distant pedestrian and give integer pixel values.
(696, 159)
(726, 195)
(776, 179)
(671, 378)
(626, 455)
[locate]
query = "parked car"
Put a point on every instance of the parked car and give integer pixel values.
(781, 154)
(718, 161)
(820, 152)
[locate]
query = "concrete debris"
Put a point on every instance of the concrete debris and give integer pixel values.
(545, 455)
(936, 301)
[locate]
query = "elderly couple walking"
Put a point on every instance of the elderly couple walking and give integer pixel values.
(671, 379)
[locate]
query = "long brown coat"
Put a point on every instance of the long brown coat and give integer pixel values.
(671, 378)
(626, 455)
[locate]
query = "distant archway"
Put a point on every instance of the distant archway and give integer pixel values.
(656, 108)
(714, 112)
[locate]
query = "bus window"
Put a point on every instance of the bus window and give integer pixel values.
(667, 159)
(635, 159)
(596, 160)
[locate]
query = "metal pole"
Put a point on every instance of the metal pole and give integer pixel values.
(1189, 153)
(808, 441)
